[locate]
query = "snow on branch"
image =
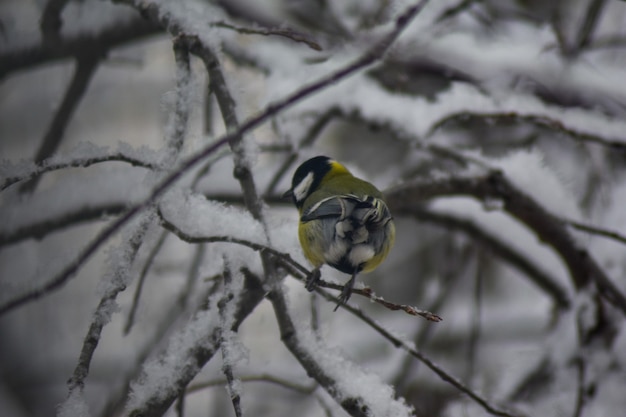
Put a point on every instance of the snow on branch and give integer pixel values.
(583, 268)
(82, 156)
(76, 43)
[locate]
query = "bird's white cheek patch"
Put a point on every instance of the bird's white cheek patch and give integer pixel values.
(301, 190)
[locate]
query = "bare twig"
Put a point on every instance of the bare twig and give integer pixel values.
(595, 230)
(76, 44)
(368, 58)
(130, 320)
(228, 297)
(476, 317)
(618, 144)
(102, 314)
(286, 33)
(51, 22)
(282, 382)
(590, 20)
(457, 9)
(76, 215)
(85, 68)
(45, 167)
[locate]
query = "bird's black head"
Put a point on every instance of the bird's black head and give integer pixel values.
(307, 178)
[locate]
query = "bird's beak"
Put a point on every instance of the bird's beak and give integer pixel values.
(288, 193)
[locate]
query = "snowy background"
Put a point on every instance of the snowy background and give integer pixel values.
(144, 242)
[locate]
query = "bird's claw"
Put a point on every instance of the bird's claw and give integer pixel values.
(346, 292)
(312, 279)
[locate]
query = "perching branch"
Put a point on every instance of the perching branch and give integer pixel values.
(295, 269)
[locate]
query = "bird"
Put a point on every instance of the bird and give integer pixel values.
(344, 221)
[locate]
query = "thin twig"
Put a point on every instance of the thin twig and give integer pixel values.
(476, 316)
(85, 68)
(617, 144)
(102, 314)
(130, 320)
(228, 297)
(286, 33)
(595, 230)
(591, 18)
(282, 382)
(51, 22)
(73, 45)
(40, 228)
(44, 167)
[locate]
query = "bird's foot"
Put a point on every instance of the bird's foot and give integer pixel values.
(346, 292)
(312, 279)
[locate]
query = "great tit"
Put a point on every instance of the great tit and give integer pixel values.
(344, 221)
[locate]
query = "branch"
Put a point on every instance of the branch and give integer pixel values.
(444, 375)
(595, 230)
(583, 268)
(591, 17)
(542, 279)
(617, 144)
(286, 33)
(285, 383)
(295, 269)
(44, 167)
(142, 277)
(85, 68)
(158, 401)
(355, 406)
(51, 22)
(43, 227)
(228, 296)
(118, 278)
(76, 44)
(368, 58)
